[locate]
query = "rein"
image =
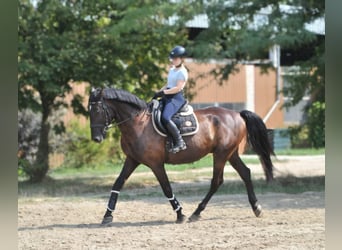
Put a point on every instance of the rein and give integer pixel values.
(126, 120)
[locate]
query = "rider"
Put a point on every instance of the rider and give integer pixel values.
(172, 94)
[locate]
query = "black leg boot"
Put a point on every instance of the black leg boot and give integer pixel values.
(179, 144)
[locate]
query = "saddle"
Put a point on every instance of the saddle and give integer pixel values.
(185, 119)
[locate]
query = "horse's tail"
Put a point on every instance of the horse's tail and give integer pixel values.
(258, 140)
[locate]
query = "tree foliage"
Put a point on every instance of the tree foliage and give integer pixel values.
(80, 151)
(245, 30)
(125, 43)
(119, 43)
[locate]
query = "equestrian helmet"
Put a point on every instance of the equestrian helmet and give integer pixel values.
(177, 51)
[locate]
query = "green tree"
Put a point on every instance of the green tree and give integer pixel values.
(119, 43)
(245, 30)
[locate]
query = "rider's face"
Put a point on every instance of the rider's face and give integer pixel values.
(176, 61)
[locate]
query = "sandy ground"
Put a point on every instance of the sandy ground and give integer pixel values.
(289, 221)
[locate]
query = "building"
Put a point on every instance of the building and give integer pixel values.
(248, 89)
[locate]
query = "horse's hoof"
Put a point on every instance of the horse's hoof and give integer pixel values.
(258, 211)
(181, 219)
(107, 220)
(194, 218)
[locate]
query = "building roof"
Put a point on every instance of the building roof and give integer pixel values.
(202, 21)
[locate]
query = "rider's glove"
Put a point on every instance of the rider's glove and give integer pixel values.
(158, 94)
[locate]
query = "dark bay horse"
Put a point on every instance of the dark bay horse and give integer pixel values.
(220, 133)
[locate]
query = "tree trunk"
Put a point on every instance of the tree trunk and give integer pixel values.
(41, 165)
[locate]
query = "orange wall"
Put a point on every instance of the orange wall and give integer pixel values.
(208, 90)
(265, 97)
(80, 89)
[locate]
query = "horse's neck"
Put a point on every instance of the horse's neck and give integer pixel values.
(123, 111)
(126, 115)
(136, 125)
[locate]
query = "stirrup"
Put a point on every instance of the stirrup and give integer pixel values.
(178, 148)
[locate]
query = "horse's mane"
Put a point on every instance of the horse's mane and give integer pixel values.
(124, 96)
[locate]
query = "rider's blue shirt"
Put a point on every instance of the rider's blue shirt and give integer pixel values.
(176, 74)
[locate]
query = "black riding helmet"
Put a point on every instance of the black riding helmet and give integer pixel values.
(177, 51)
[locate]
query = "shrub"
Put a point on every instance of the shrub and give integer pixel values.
(316, 124)
(29, 128)
(28, 140)
(312, 133)
(81, 151)
(28, 135)
(299, 136)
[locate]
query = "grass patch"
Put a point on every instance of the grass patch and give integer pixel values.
(207, 161)
(106, 169)
(149, 187)
(289, 184)
(63, 187)
(301, 151)
(75, 182)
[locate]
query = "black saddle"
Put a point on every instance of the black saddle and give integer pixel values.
(185, 119)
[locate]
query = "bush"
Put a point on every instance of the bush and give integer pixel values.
(299, 136)
(316, 124)
(312, 133)
(28, 140)
(28, 135)
(81, 151)
(29, 128)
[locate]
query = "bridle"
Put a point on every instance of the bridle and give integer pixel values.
(109, 120)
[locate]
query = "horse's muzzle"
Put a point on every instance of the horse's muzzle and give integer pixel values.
(98, 138)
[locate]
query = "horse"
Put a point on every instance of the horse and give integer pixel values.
(220, 132)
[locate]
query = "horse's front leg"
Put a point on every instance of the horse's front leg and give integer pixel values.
(159, 172)
(129, 166)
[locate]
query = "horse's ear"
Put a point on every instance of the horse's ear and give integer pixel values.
(95, 91)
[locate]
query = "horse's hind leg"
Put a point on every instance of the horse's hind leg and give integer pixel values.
(161, 176)
(216, 182)
(245, 175)
(129, 166)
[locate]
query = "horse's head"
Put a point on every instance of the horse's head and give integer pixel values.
(99, 115)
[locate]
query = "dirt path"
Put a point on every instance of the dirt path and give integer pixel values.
(289, 221)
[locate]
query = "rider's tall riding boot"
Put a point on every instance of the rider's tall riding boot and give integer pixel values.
(178, 142)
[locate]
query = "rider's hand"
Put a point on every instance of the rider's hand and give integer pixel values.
(158, 94)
